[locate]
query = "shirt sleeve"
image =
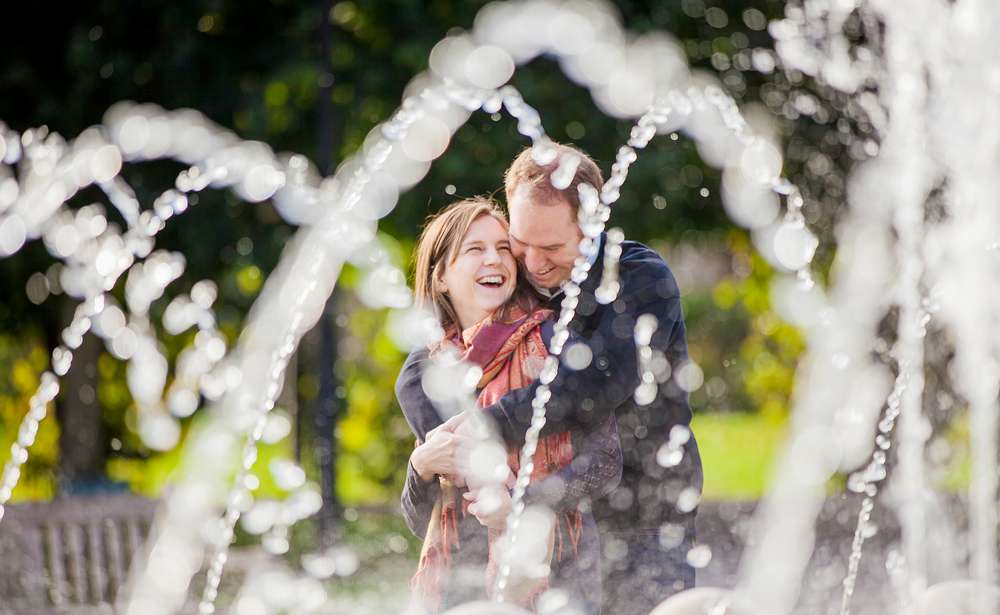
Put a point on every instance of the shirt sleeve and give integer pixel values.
(595, 470)
(582, 399)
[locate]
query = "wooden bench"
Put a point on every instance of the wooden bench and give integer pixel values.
(69, 556)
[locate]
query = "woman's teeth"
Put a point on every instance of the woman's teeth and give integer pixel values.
(491, 280)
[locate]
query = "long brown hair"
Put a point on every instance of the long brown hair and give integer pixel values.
(438, 248)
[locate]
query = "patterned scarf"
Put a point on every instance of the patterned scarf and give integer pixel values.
(511, 353)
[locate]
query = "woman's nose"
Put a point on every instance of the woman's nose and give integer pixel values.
(492, 257)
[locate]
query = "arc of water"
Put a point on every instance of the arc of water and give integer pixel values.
(178, 517)
(375, 158)
(966, 270)
(238, 493)
(26, 436)
(645, 326)
(607, 292)
(909, 135)
(905, 99)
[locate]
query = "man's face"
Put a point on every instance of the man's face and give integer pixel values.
(544, 235)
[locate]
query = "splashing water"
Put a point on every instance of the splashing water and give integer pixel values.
(930, 95)
(338, 218)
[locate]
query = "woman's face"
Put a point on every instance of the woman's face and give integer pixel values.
(482, 278)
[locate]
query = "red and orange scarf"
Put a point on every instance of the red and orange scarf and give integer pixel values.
(511, 353)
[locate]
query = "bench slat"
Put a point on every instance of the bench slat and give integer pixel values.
(76, 552)
(116, 556)
(98, 577)
(135, 537)
(74, 545)
(35, 576)
(58, 592)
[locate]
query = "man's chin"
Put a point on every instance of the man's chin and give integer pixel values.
(546, 281)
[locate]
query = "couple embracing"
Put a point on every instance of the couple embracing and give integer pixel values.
(619, 539)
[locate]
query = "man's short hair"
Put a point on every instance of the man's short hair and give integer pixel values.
(526, 173)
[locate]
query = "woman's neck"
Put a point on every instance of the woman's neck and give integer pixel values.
(467, 321)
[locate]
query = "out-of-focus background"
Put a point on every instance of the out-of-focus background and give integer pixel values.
(315, 77)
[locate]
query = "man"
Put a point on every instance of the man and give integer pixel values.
(647, 523)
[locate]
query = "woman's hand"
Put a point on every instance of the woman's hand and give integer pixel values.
(444, 452)
(491, 506)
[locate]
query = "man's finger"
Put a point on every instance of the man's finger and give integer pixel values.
(465, 428)
(452, 423)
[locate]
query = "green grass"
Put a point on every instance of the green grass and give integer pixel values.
(737, 451)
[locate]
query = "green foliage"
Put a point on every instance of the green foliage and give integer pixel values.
(738, 451)
(769, 348)
(24, 359)
(372, 436)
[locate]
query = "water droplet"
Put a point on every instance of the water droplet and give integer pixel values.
(699, 556)
(688, 499)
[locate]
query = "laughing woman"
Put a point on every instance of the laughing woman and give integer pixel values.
(467, 276)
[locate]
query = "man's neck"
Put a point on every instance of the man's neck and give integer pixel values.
(548, 293)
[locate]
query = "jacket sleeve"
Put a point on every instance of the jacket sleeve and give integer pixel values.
(418, 497)
(595, 470)
(419, 411)
(417, 501)
(581, 399)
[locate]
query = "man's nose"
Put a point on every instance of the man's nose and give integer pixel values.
(533, 259)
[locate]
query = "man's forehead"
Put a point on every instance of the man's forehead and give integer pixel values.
(539, 233)
(534, 206)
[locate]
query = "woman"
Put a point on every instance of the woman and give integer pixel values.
(467, 275)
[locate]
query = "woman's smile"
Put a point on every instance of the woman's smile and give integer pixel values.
(481, 278)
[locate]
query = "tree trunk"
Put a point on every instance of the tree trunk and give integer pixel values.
(82, 441)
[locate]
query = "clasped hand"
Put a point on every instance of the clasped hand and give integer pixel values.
(447, 452)
(444, 453)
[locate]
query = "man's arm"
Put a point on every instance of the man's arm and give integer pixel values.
(417, 501)
(594, 472)
(419, 411)
(582, 398)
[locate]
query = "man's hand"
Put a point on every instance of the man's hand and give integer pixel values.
(444, 452)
